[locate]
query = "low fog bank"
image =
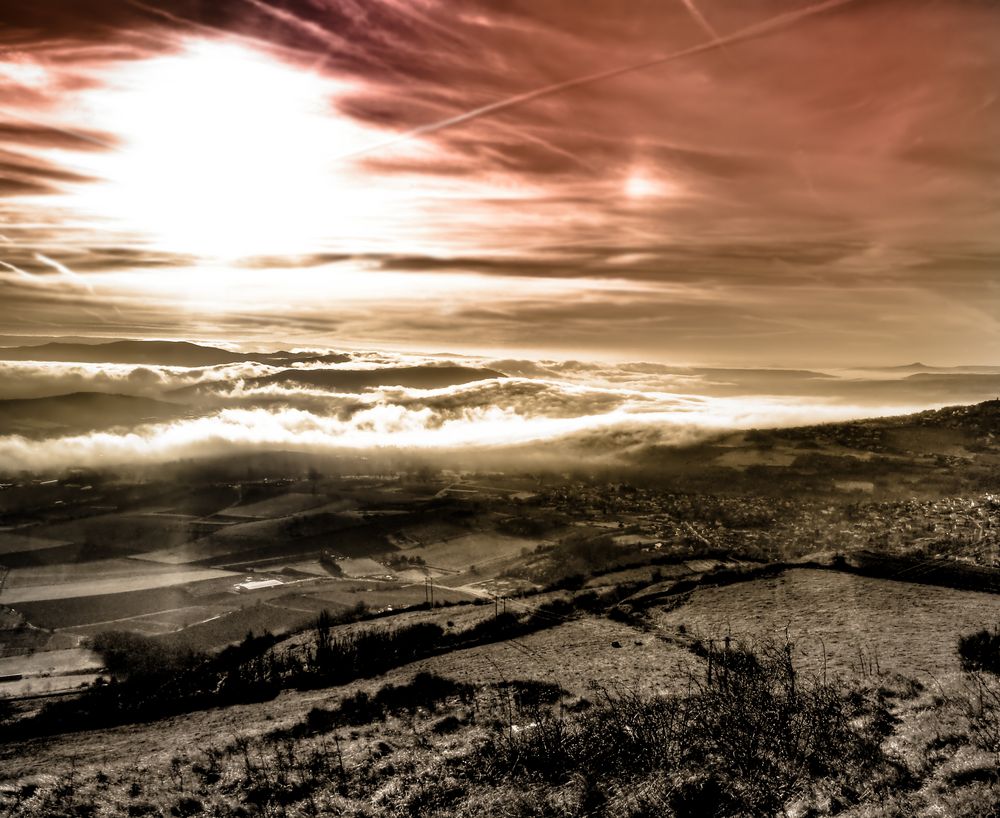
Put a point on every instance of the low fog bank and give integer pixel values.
(448, 410)
(453, 438)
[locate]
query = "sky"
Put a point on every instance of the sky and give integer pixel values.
(753, 183)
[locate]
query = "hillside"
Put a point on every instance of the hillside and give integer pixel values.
(569, 704)
(288, 635)
(973, 424)
(81, 412)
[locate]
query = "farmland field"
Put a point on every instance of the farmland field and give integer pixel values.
(51, 661)
(231, 627)
(21, 591)
(159, 622)
(135, 532)
(861, 624)
(276, 537)
(35, 685)
(378, 595)
(17, 543)
(480, 548)
(362, 567)
(124, 569)
(281, 506)
(429, 531)
(313, 567)
(113, 607)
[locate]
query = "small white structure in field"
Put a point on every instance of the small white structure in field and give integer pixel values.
(257, 584)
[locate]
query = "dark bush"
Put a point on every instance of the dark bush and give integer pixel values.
(135, 656)
(186, 807)
(446, 725)
(529, 693)
(980, 651)
(341, 659)
(426, 690)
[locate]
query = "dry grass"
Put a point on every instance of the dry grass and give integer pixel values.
(217, 762)
(862, 624)
(479, 549)
(362, 567)
(220, 761)
(577, 655)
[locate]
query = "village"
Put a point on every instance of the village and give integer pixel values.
(963, 528)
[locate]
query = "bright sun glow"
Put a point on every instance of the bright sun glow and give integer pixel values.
(640, 185)
(226, 152)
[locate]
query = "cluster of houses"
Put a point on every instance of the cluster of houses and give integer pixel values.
(964, 528)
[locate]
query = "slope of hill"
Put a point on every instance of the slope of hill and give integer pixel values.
(462, 712)
(80, 412)
(967, 421)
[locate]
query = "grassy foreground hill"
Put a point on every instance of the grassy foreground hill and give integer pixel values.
(621, 701)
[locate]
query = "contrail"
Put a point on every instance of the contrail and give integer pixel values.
(17, 270)
(750, 32)
(319, 33)
(700, 19)
(76, 278)
(215, 31)
(405, 9)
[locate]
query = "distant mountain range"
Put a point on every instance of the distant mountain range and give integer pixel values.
(163, 353)
(80, 412)
(920, 368)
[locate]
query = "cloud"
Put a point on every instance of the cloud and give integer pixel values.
(29, 379)
(827, 186)
(382, 426)
(540, 412)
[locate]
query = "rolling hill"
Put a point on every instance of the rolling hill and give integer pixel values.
(81, 412)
